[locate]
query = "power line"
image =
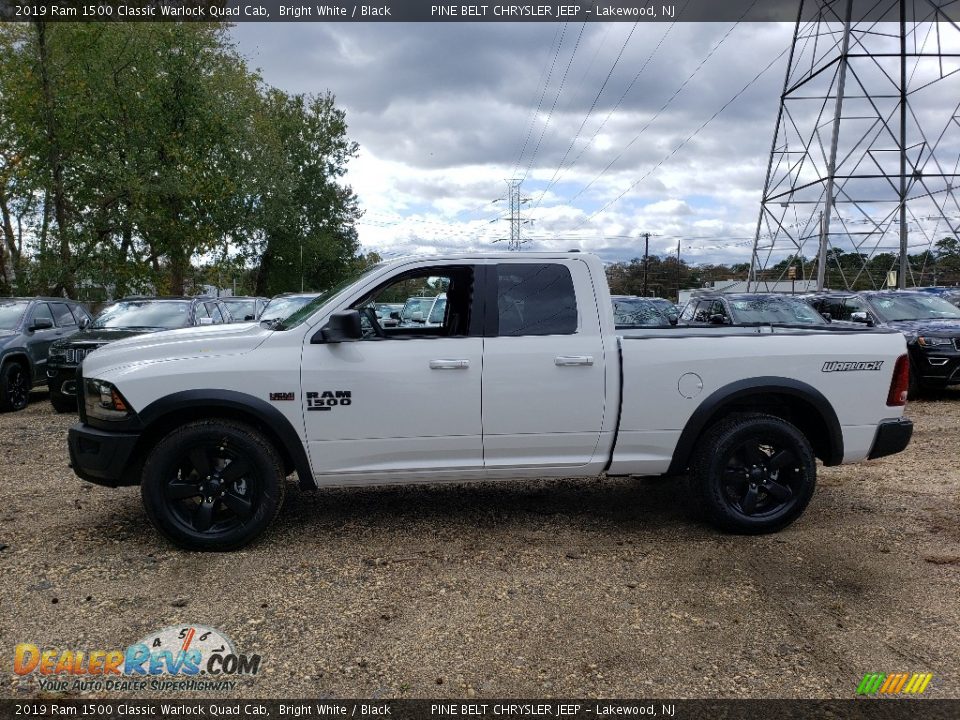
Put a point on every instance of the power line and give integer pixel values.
(684, 142)
(555, 100)
(657, 114)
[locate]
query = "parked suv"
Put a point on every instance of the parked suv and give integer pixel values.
(28, 326)
(124, 318)
(950, 294)
(930, 324)
(748, 309)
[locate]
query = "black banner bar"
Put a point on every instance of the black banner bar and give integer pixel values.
(488, 709)
(438, 11)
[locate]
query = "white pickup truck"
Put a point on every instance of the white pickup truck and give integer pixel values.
(525, 377)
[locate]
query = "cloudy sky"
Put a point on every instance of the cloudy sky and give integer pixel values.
(613, 128)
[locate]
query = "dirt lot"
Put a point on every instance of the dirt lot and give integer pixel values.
(569, 588)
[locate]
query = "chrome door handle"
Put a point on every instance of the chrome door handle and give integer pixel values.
(449, 364)
(570, 360)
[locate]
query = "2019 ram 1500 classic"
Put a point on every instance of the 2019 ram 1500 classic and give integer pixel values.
(525, 376)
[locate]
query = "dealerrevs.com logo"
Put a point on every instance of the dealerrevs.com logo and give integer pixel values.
(177, 658)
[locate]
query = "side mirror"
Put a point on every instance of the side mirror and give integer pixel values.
(394, 315)
(206, 321)
(248, 318)
(827, 316)
(41, 324)
(417, 316)
(862, 317)
(718, 319)
(84, 323)
(343, 326)
(673, 319)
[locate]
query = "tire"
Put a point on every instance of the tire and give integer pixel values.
(737, 475)
(62, 403)
(915, 387)
(15, 386)
(186, 476)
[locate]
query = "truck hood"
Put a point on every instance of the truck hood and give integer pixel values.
(100, 336)
(207, 341)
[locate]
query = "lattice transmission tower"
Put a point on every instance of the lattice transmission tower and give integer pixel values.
(864, 163)
(516, 219)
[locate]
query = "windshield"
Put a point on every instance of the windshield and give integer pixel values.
(414, 305)
(305, 311)
(665, 306)
(914, 307)
(241, 309)
(283, 307)
(10, 314)
(775, 310)
(637, 313)
(158, 314)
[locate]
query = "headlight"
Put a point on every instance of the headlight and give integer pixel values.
(923, 341)
(104, 401)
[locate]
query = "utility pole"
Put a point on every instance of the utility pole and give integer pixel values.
(646, 260)
(516, 219)
(678, 270)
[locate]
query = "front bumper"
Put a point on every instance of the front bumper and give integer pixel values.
(937, 366)
(102, 457)
(892, 437)
(63, 379)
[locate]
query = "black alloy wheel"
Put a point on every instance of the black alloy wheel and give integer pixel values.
(753, 473)
(212, 485)
(14, 387)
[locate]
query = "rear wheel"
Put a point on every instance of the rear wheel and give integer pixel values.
(14, 387)
(212, 485)
(753, 474)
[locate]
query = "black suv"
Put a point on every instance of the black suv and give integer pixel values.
(930, 324)
(124, 318)
(28, 326)
(748, 309)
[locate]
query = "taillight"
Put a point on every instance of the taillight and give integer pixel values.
(900, 383)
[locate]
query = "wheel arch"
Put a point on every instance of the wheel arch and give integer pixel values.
(163, 415)
(792, 400)
(19, 356)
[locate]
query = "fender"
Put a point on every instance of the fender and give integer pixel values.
(17, 352)
(275, 421)
(741, 389)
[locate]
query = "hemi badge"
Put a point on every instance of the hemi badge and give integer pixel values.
(283, 396)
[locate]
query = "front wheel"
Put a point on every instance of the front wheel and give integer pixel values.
(212, 485)
(753, 474)
(14, 387)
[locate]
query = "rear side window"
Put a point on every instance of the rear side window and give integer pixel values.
(535, 299)
(62, 314)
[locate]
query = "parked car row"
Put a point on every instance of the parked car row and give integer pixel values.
(929, 318)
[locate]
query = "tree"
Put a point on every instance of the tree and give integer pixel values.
(304, 217)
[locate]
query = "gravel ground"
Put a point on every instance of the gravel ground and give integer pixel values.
(537, 589)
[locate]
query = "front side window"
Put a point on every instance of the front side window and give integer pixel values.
(42, 312)
(535, 299)
(436, 302)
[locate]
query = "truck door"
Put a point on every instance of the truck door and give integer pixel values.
(543, 367)
(405, 399)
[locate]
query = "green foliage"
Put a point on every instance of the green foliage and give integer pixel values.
(149, 157)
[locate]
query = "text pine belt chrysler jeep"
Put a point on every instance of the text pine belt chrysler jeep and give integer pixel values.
(524, 377)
